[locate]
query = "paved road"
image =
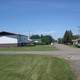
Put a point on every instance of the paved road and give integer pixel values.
(69, 53)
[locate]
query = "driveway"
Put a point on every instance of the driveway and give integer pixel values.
(73, 55)
(69, 53)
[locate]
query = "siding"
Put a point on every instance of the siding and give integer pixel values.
(22, 39)
(8, 40)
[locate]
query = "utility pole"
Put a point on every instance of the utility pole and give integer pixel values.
(29, 36)
(78, 30)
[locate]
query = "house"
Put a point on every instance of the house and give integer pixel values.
(76, 42)
(37, 41)
(8, 39)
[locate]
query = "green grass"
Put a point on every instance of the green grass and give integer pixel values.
(30, 48)
(34, 67)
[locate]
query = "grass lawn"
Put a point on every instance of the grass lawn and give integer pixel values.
(33, 67)
(30, 48)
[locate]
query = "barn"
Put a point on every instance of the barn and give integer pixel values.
(8, 39)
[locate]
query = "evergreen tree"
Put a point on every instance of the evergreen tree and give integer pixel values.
(68, 36)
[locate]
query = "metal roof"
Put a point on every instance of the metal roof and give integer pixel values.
(4, 33)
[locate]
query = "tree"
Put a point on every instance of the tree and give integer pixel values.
(60, 40)
(68, 36)
(76, 36)
(47, 39)
(35, 37)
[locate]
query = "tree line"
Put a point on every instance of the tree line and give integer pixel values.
(48, 39)
(45, 39)
(68, 37)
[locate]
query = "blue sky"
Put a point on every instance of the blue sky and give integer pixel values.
(40, 16)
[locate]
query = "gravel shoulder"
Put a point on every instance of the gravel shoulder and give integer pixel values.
(73, 55)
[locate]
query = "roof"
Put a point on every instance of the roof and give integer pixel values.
(76, 39)
(4, 33)
(36, 40)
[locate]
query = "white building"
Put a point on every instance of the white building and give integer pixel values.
(76, 42)
(12, 39)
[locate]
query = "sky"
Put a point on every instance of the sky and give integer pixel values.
(51, 17)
